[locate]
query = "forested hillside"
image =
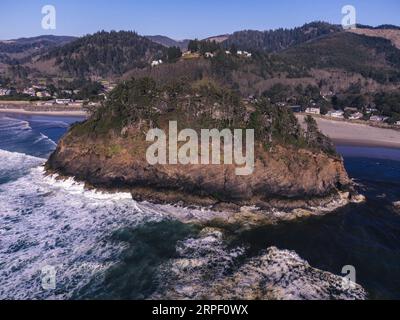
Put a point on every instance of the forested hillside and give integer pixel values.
(106, 53)
(280, 39)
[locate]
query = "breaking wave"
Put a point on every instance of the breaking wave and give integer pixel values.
(49, 222)
(18, 135)
(46, 221)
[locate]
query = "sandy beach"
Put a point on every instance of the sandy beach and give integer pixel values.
(346, 133)
(72, 113)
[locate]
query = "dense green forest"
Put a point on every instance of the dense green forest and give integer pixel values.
(24, 45)
(374, 58)
(280, 39)
(199, 105)
(106, 54)
(389, 105)
(293, 66)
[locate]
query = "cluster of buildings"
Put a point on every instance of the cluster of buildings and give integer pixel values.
(378, 118)
(244, 54)
(6, 92)
(240, 53)
(352, 113)
(43, 92)
(63, 102)
(207, 55)
(34, 91)
(37, 91)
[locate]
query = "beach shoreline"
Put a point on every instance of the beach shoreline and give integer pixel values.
(341, 132)
(356, 134)
(72, 113)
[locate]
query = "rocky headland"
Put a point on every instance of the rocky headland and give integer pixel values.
(293, 168)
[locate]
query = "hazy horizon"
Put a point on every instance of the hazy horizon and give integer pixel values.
(166, 35)
(184, 20)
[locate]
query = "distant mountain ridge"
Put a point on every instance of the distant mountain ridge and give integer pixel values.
(218, 39)
(21, 45)
(14, 51)
(168, 42)
(183, 44)
(380, 27)
(278, 55)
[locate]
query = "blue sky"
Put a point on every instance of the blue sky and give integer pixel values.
(181, 19)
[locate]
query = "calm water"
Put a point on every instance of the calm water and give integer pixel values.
(49, 222)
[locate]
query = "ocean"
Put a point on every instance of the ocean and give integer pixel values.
(86, 235)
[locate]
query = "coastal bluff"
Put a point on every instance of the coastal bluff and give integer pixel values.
(293, 167)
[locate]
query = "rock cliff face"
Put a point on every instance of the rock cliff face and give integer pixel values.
(279, 176)
(109, 151)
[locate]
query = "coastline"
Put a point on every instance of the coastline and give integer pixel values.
(357, 134)
(191, 209)
(72, 113)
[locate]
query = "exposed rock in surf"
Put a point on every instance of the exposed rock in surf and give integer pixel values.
(396, 206)
(206, 269)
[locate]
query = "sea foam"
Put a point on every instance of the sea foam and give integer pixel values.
(49, 222)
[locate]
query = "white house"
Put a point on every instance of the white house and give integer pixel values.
(156, 63)
(313, 110)
(370, 110)
(5, 92)
(244, 54)
(356, 116)
(209, 55)
(63, 101)
(29, 91)
(378, 118)
(43, 94)
(336, 114)
(247, 54)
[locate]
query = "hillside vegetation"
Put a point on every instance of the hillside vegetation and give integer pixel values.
(106, 54)
(374, 58)
(111, 149)
(279, 39)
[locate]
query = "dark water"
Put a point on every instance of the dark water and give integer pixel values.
(366, 236)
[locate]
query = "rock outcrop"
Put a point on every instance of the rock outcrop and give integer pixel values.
(200, 272)
(285, 176)
(292, 167)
